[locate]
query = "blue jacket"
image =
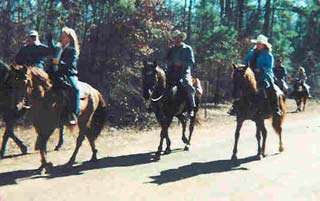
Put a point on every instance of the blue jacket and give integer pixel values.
(32, 55)
(263, 68)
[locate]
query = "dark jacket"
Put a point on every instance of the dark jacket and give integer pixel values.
(33, 55)
(280, 73)
(68, 61)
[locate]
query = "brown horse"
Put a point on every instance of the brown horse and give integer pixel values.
(245, 85)
(48, 108)
(300, 95)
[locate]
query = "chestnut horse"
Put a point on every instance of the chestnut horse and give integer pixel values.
(48, 108)
(245, 85)
(300, 95)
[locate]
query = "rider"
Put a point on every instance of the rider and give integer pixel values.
(67, 62)
(302, 78)
(33, 53)
(260, 60)
(280, 75)
(180, 60)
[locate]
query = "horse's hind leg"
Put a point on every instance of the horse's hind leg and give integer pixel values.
(183, 121)
(92, 140)
(304, 103)
(78, 145)
(237, 135)
(61, 134)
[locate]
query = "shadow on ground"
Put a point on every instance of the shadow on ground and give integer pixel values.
(13, 177)
(195, 169)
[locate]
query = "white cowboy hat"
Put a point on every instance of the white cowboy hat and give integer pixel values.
(263, 40)
(180, 34)
(33, 33)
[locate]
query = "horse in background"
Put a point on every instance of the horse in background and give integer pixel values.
(48, 110)
(300, 95)
(245, 84)
(168, 103)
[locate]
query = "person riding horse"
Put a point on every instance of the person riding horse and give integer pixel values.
(301, 80)
(65, 65)
(180, 63)
(260, 60)
(280, 75)
(33, 53)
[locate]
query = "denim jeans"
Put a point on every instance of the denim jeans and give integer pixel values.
(76, 94)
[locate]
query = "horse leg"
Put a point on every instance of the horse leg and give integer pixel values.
(78, 144)
(168, 149)
(42, 145)
(184, 126)
(264, 138)
(191, 127)
(10, 133)
(304, 103)
(237, 135)
(61, 134)
(92, 139)
(258, 136)
(5, 139)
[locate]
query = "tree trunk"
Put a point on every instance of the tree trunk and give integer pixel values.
(266, 25)
(189, 21)
(240, 18)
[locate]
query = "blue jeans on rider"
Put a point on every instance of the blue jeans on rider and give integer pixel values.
(76, 95)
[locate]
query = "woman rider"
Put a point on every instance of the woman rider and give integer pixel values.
(68, 67)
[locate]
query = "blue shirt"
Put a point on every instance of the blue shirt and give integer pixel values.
(264, 66)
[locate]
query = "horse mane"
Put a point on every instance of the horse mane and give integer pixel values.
(251, 79)
(42, 78)
(161, 77)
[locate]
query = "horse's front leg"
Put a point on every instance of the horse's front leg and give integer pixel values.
(191, 128)
(236, 137)
(264, 138)
(61, 134)
(166, 133)
(42, 145)
(258, 136)
(183, 121)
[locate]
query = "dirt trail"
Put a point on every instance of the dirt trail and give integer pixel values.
(125, 171)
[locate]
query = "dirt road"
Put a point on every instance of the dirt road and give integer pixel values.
(125, 171)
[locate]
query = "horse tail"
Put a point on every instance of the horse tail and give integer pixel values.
(278, 121)
(99, 117)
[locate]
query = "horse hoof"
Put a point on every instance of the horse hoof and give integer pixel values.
(281, 149)
(57, 148)
(167, 151)
(185, 140)
(258, 157)
(186, 148)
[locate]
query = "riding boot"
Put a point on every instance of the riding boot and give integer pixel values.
(275, 103)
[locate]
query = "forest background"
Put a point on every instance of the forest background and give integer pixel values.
(117, 35)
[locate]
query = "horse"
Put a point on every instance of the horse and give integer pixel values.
(300, 95)
(48, 110)
(168, 103)
(245, 85)
(9, 115)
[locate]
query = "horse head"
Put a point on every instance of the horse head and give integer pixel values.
(20, 84)
(244, 81)
(154, 80)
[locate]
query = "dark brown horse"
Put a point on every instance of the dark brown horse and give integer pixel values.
(246, 86)
(48, 109)
(300, 95)
(167, 104)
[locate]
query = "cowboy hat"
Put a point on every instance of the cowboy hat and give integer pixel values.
(263, 40)
(33, 33)
(179, 34)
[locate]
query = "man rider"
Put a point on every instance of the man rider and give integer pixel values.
(180, 59)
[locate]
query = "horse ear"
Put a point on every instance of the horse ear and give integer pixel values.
(234, 66)
(155, 63)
